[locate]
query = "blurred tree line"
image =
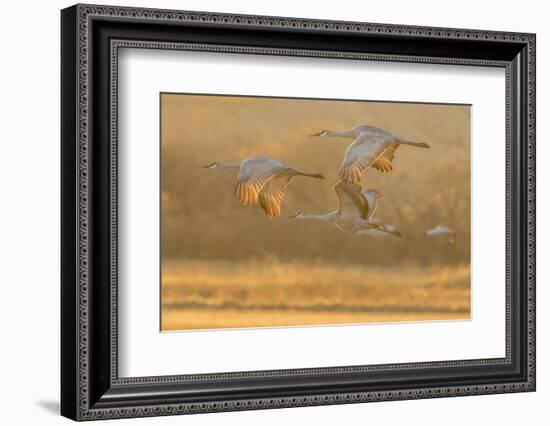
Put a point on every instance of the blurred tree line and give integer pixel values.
(202, 218)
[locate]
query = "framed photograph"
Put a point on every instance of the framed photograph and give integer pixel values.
(263, 212)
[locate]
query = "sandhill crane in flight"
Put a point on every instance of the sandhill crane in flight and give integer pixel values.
(354, 212)
(450, 233)
(373, 147)
(262, 179)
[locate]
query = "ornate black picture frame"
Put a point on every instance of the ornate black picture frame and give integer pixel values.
(91, 387)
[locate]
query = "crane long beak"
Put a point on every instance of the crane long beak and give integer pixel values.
(315, 134)
(292, 216)
(203, 167)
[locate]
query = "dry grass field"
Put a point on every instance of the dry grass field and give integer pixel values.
(197, 295)
(227, 265)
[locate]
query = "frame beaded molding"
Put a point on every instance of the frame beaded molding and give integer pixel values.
(86, 13)
(116, 45)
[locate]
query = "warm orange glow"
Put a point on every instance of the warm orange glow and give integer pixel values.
(229, 265)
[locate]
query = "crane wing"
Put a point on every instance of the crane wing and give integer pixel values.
(353, 203)
(272, 195)
(384, 162)
(255, 172)
(372, 203)
(362, 154)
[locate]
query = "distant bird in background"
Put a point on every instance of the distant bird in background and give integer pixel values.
(354, 212)
(373, 147)
(262, 179)
(449, 233)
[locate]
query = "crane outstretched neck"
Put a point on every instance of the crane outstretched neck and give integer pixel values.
(336, 133)
(222, 165)
(225, 165)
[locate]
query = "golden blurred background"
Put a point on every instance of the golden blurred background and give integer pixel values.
(227, 265)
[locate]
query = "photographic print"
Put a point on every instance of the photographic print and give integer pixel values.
(299, 212)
